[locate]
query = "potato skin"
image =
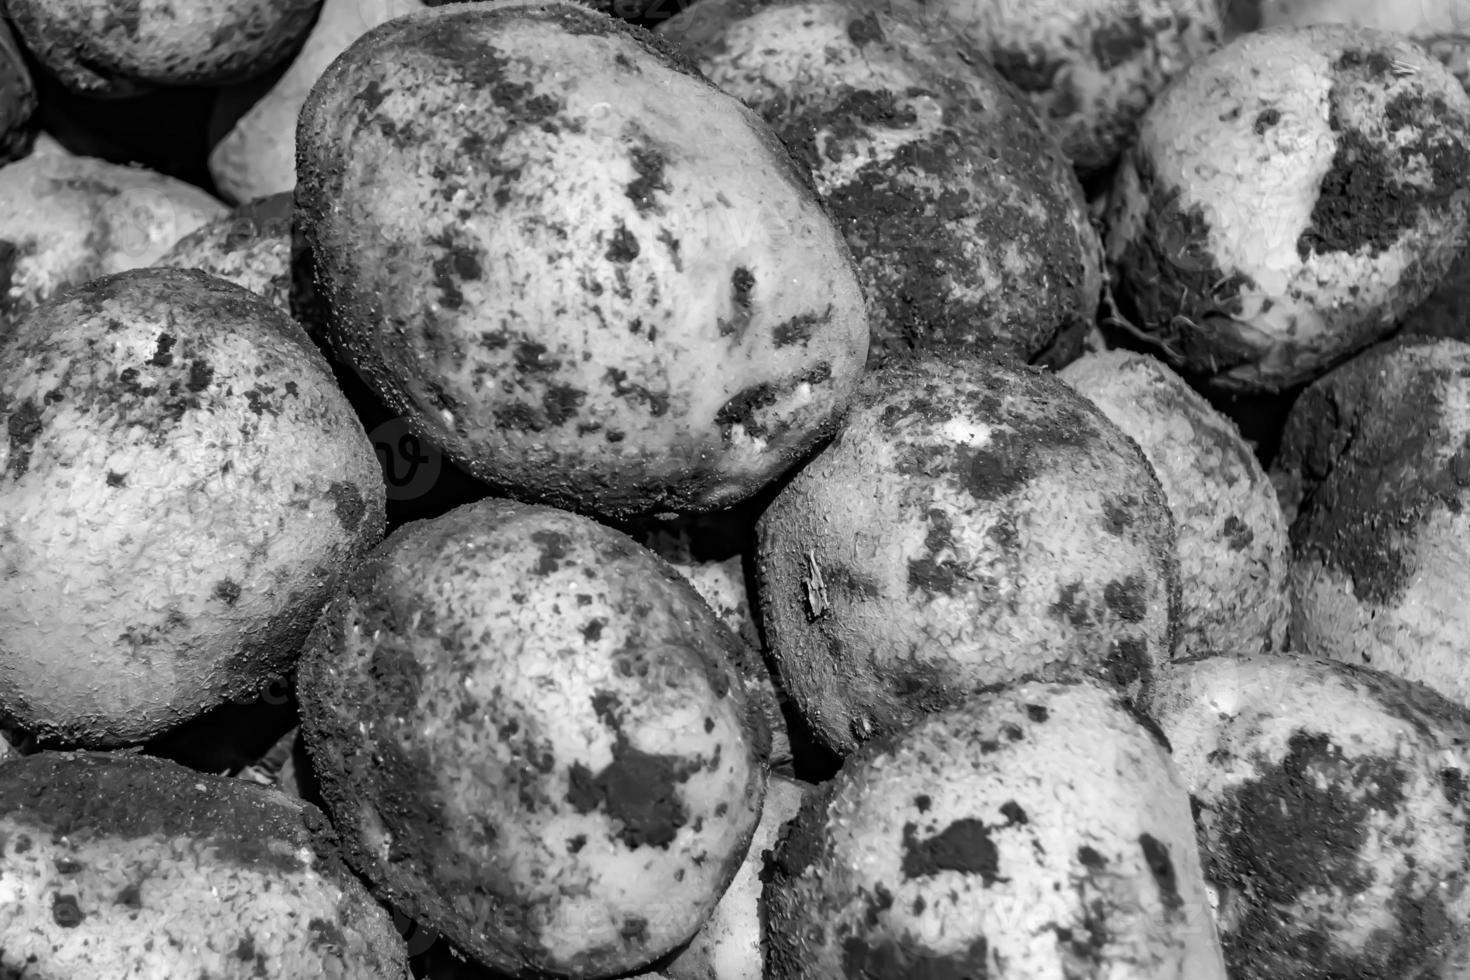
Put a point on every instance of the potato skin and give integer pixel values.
(116, 49)
(975, 521)
(1331, 814)
(1234, 554)
(533, 738)
(183, 488)
(250, 247)
(966, 220)
(1288, 199)
(695, 340)
(1374, 473)
(1035, 830)
(122, 865)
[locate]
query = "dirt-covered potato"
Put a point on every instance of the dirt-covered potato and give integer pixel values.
(975, 521)
(967, 223)
(626, 306)
(1374, 473)
(250, 247)
(253, 127)
(732, 944)
(1039, 830)
(533, 737)
(1331, 811)
(17, 99)
(67, 219)
(120, 865)
(1288, 199)
(183, 487)
(1089, 67)
(1442, 26)
(116, 48)
(1234, 555)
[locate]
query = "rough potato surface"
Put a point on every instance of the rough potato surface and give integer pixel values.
(1234, 555)
(250, 247)
(1288, 199)
(1331, 811)
(967, 222)
(126, 47)
(534, 739)
(1089, 67)
(1374, 473)
(182, 487)
(66, 219)
(622, 306)
(974, 521)
(1039, 830)
(132, 868)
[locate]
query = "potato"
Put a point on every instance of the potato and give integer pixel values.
(1331, 810)
(1039, 830)
(1089, 67)
(118, 865)
(250, 247)
(731, 946)
(533, 737)
(975, 521)
(117, 49)
(624, 307)
(1374, 472)
(1234, 555)
(66, 219)
(254, 151)
(1442, 26)
(183, 488)
(17, 99)
(968, 225)
(1289, 198)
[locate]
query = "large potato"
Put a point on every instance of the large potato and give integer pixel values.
(620, 306)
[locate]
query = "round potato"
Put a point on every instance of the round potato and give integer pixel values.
(119, 49)
(250, 247)
(1331, 811)
(967, 222)
(1089, 67)
(119, 865)
(1039, 830)
(975, 521)
(253, 127)
(66, 219)
(1234, 555)
(624, 307)
(1374, 472)
(1288, 199)
(533, 737)
(183, 487)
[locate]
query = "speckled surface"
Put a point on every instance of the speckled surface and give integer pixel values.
(975, 521)
(182, 487)
(533, 737)
(1039, 830)
(644, 360)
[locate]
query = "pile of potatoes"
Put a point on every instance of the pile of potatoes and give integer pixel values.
(779, 488)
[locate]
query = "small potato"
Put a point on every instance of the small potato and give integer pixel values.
(116, 48)
(1089, 67)
(622, 307)
(66, 219)
(250, 247)
(1038, 830)
(183, 487)
(1374, 473)
(117, 865)
(1288, 199)
(254, 125)
(974, 522)
(534, 739)
(967, 222)
(17, 99)
(1331, 809)
(1234, 555)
